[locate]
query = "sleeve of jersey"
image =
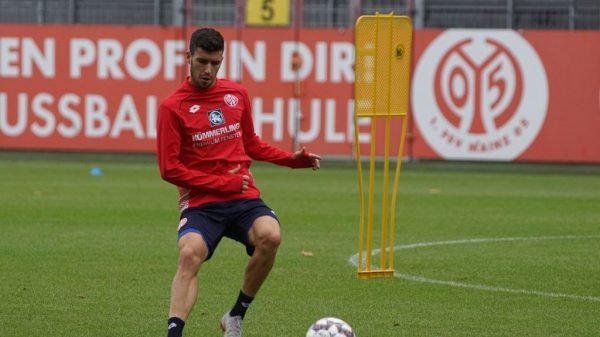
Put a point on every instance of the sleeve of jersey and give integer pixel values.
(257, 149)
(173, 170)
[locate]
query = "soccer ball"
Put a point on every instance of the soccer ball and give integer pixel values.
(330, 327)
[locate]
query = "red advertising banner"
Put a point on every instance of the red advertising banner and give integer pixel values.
(498, 95)
(507, 95)
(85, 88)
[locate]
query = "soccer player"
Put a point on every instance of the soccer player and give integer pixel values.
(206, 142)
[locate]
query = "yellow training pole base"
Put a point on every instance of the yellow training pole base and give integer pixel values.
(368, 274)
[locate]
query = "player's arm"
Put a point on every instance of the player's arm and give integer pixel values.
(174, 171)
(257, 149)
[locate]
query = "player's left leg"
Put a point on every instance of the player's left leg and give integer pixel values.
(265, 237)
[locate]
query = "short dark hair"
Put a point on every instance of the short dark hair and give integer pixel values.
(208, 39)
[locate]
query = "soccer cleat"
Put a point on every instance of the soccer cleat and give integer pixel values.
(231, 325)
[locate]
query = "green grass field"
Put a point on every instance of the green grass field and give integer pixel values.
(94, 256)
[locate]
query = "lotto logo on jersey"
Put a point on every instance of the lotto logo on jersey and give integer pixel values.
(483, 96)
(216, 117)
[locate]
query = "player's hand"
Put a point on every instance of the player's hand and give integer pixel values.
(311, 159)
(245, 178)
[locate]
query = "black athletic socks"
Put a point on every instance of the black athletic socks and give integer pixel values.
(241, 305)
(175, 327)
(175, 324)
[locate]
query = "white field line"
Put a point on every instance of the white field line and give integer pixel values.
(354, 261)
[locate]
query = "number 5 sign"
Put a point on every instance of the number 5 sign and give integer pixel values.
(268, 12)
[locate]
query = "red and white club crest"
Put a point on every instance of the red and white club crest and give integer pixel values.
(182, 223)
(480, 94)
(230, 100)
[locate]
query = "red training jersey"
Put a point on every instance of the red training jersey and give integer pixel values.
(203, 134)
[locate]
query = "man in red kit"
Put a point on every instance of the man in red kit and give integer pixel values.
(206, 142)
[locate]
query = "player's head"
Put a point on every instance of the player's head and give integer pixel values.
(208, 39)
(205, 56)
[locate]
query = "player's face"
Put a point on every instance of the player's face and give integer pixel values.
(204, 67)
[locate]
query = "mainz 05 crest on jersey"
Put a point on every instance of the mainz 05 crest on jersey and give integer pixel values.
(230, 100)
(216, 117)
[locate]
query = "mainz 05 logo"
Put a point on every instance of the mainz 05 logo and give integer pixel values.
(480, 94)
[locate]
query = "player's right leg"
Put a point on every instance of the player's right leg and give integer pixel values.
(184, 289)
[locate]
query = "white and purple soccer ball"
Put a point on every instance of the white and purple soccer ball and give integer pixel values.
(330, 327)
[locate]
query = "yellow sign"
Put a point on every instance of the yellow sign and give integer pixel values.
(383, 54)
(268, 12)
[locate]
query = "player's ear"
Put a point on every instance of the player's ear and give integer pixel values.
(188, 57)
